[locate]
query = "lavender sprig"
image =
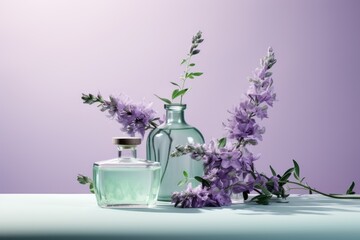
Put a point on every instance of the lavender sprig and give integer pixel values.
(228, 163)
(275, 185)
(180, 91)
(135, 118)
(242, 125)
(224, 167)
(86, 180)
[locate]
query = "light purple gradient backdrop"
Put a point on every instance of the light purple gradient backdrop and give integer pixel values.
(52, 51)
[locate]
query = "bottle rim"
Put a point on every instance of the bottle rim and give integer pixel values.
(175, 106)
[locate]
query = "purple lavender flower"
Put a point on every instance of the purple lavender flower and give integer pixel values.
(231, 158)
(191, 197)
(261, 112)
(256, 180)
(224, 167)
(110, 106)
(201, 197)
(134, 118)
(275, 183)
(242, 126)
(222, 198)
(260, 95)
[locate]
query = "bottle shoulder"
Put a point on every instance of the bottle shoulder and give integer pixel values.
(127, 163)
(174, 126)
(169, 131)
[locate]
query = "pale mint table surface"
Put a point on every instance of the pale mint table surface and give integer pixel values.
(76, 216)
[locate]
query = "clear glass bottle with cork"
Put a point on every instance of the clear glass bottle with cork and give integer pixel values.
(126, 181)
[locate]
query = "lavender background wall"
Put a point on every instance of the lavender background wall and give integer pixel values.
(52, 51)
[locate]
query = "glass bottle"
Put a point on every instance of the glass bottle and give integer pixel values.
(161, 143)
(126, 181)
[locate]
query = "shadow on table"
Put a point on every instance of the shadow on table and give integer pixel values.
(296, 205)
(163, 208)
(308, 205)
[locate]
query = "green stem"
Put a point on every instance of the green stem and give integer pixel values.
(324, 194)
(157, 155)
(168, 156)
(259, 192)
(152, 124)
(184, 78)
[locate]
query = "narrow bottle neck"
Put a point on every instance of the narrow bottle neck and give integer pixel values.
(175, 114)
(127, 152)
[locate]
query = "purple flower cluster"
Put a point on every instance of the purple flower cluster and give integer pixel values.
(242, 125)
(230, 169)
(257, 180)
(191, 198)
(134, 117)
(225, 167)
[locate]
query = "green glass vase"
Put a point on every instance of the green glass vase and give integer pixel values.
(162, 141)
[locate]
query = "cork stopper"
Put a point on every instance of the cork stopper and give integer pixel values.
(127, 141)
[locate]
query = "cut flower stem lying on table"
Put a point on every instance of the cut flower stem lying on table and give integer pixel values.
(265, 195)
(228, 163)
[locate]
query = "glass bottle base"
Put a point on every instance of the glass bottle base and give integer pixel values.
(119, 206)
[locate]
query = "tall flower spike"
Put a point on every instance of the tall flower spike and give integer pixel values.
(241, 125)
(227, 167)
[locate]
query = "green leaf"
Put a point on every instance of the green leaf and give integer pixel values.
(174, 83)
(183, 61)
(286, 175)
(272, 171)
(290, 170)
(199, 179)
(173, 96)
(192, 64)
(185, 173)
(91, 187)
(251, 142)
(197, 74)
(83, 179)
(179, 93)
(296, 169)
(264, 190)
(195, 52)
(246, 195)
(182, 182)
(222, 142)
(86, 180)
(351, 188)
(204, 182)
(261, 199)
(163, 99)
